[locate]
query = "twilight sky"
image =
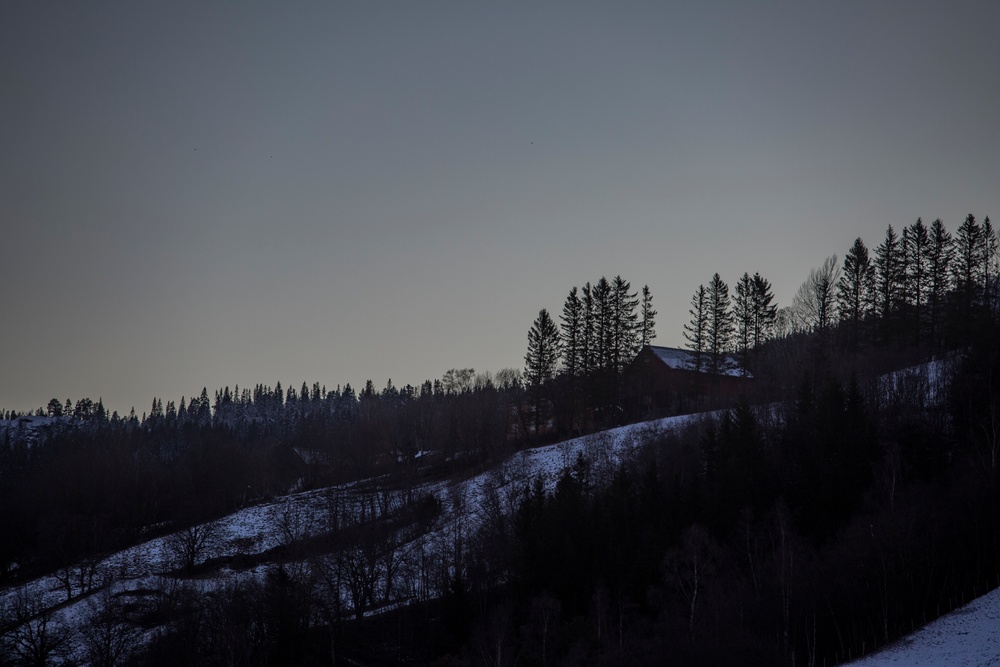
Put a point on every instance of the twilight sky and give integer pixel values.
(207, 194)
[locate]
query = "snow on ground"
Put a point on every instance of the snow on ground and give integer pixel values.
(967, 636)
(465, 506)
(254, 530)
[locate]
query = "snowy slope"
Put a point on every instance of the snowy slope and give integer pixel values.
(967, 636)
(150, 566)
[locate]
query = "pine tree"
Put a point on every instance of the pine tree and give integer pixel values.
(624, 324)
(917, 243)
(572, 335)
(889, 275)
(541, 360)
(588, 342)
(743, 316)
(966, 272)
(648, 317)
(765, 312)
(543, 350)
(854, 290)
(720, 324)
(988, 268)
(696, 330)
(940, 250)
(603, 326)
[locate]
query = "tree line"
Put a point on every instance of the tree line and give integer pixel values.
(573, 369)
(922, 287)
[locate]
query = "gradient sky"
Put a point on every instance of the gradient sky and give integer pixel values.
(207, 194)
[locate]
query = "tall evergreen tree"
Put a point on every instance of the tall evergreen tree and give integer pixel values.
(854, 290)
(603, 324)
(743, 316)
(696, 330)
(889, 275)
(765, 312)
(572, 334)
(589, 339)
(917, 243)
(624, 324)
(542, 357)
(940, 250)
(541, 360)
(988, 268)
(720, 324)
(648, 317)
(966, 271)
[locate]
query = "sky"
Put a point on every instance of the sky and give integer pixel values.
(217, 194)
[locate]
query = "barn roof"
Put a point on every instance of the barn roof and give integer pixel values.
(675, 357)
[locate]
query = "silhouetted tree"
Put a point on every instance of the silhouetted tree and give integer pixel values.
(813, 305)
(648, 317)
(541, 359)
(889, 281)
(917, 243)
(855, 291)
(719, 332)
(696, 331)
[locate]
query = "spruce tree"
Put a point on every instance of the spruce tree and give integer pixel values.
(988, 268)
(543, 350)
(940, 250)
(765, 312)
(889, 278)
(720, 324)
(541, 360)
(696, 330)
(572, 335)
(603, 326)
(624, 324)
(854, 290)
(648, 317)
(917, 243)
(743, 316)
(588, 342)
(969, 242)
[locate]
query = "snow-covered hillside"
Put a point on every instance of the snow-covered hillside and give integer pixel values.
(152, 567)
(967, 636)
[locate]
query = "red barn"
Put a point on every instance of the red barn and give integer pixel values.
(666, 380)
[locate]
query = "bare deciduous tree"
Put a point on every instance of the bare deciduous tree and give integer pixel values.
(29, 634)
(188, 545)
(812, 306)
(108, 636)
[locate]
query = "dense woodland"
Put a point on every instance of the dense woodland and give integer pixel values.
(828, 513)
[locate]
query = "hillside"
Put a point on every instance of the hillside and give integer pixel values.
(247, 544)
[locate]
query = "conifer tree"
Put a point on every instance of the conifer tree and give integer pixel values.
(765, 312)
(889, 278)
(696, 330)
(988, 268)
(940, 250)
(719, 333)
(743, 316)
(588, 341)
(543, 350)
(572, 334)
(855, 289)
(603, 327)
(917, 242)
(966, 272)
(624, 324)
(648, 317)
(541, 360)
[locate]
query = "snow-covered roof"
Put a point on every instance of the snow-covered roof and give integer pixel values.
(684, 360)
